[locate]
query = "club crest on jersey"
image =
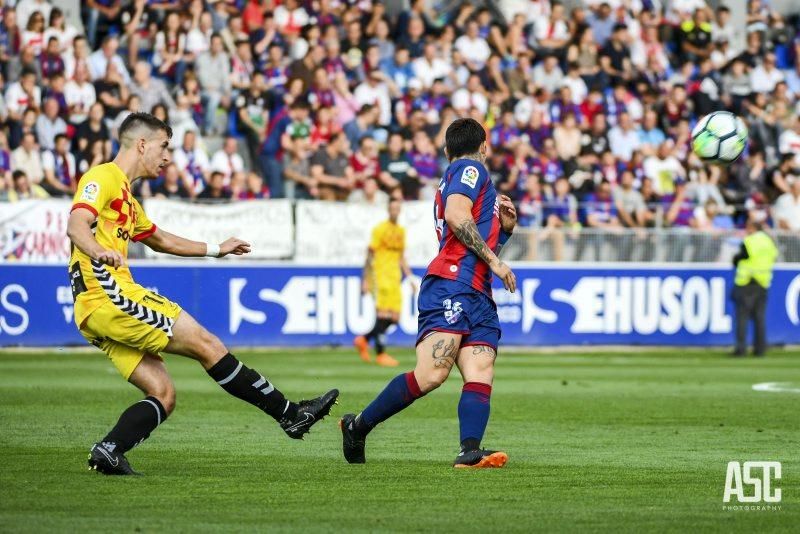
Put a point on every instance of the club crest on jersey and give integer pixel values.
(470, 176)
(90, 191)
(452, 311)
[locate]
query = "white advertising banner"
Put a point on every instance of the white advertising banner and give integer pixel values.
(34, 231)
(334, 233)
(265, 224)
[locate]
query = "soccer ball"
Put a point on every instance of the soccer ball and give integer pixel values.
(719, 138)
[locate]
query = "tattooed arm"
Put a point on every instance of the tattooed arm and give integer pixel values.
(458, 215)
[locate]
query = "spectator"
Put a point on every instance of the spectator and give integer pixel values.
(23, 189)
(567, 138)
(9, 36)
(615, 57)
(473, 47)
(297, 170)
(169, 49)
(623, 139)
(60, 169)
(695, 36)
(789, 141)
(375, 92)
(548, 75)
(707, 241)
(242, 66)
(93, 156)
(51, 60)
(370, 194)
(290, 17)
(112, 90)
(395, 167)
(5, 162)
(331, 171)
(364, 163)
(213, 73)
(650, 135)
(215, 190)
(136, 18)
(227, 161)
(663, 168)
(28, 158)
(22, 95)
(678, 213)
(426, 164)
(98, 60)
(530, 209)
(80, 95)
(472, 96)
(630, 210)
(255, 188)
(782, 175)
(252, 114)
(198, 38)
(192, 163)
(173, 185)
(49, 125)
(601, 218)
(94, 129)
(27, 125)
(362, 125)
(33, 36)
(79, 54)
(150, 90)
(764, 77)
(100, 11)
(560, 215)
(786, 214)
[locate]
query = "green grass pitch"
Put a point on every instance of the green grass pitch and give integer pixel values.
(597, 442)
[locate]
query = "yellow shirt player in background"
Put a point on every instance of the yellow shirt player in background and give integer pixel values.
(383, 273)
(133, 325)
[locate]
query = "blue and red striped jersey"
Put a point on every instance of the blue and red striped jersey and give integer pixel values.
(455, 261)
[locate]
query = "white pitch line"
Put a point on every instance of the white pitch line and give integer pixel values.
(776, 387)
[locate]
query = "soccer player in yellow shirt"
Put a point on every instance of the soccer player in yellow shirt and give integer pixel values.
(133, 325)
(383, 270)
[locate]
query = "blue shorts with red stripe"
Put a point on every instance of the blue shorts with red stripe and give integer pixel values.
(450, 306)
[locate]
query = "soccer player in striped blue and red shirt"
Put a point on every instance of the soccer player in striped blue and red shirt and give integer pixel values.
(458, 323)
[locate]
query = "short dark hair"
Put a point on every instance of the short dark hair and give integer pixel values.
(16, 175)
(59, 137)
(463, 136)
(139, 119)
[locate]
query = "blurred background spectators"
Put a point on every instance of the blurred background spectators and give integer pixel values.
(588, 105)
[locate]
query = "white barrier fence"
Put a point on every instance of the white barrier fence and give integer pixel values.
(338, 234)
(327, 233)
(266, 224)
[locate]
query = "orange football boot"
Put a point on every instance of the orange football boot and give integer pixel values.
(362, 345)
(385, 360)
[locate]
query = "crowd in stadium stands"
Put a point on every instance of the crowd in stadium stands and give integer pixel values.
(588, 111)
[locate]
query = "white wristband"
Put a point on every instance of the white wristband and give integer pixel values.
(212, 251)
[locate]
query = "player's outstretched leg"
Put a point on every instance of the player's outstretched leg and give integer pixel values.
(295, 418)
(476, 363)
(436, 355)
(138, 421)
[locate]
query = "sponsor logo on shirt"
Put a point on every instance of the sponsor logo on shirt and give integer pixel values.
(90, 192)
(470, 176)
